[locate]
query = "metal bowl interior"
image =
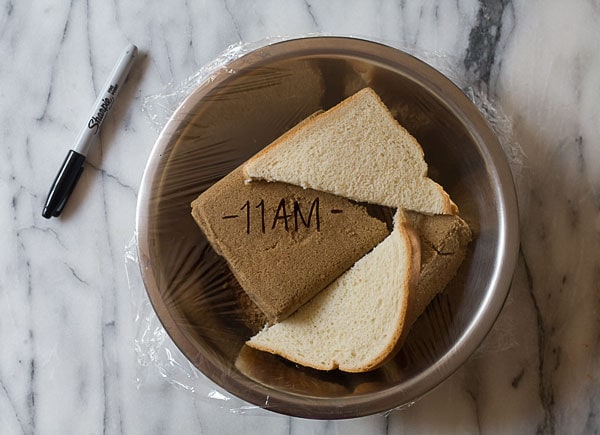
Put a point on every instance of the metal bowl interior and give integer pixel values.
(242, 109)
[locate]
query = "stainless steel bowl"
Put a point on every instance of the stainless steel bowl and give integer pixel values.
(240, 110)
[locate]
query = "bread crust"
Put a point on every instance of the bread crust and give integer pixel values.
(447, 206)
(411, 246)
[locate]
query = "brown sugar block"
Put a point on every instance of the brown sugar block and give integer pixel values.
(444, 241)
(284, 243)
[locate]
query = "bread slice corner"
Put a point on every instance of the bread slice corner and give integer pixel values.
(354, 324)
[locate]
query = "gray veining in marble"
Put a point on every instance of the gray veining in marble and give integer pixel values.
(66, 312)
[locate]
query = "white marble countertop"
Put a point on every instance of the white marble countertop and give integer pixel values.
(66, 312)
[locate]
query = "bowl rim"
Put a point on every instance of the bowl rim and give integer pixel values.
(507, 251)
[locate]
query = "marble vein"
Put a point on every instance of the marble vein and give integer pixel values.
(544, 387)
(484, 38)
(28, 342)
(64, 288)
(104, 173)
(7, 407)
(310, 13)
(233, 19)
(53, 67)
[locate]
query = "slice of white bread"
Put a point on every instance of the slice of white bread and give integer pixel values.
(356, 322)
(356, 150)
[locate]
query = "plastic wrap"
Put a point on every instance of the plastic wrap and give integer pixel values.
(158, 355)
(201, 318)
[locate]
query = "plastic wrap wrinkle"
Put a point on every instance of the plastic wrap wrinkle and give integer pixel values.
(159, 107)
(156, 353)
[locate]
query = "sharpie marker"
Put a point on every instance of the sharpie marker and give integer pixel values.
(72, 167)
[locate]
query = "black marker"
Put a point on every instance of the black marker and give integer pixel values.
(72, 167)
